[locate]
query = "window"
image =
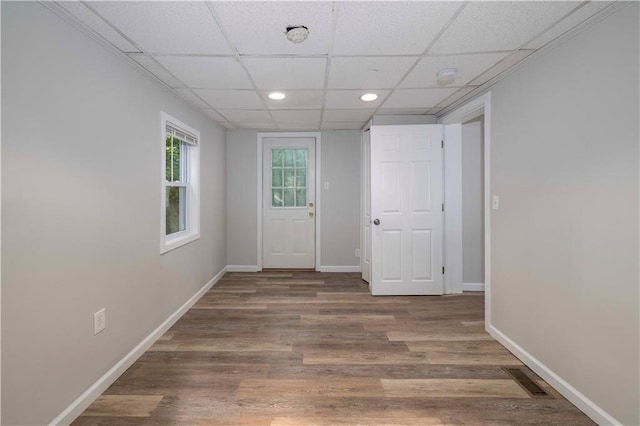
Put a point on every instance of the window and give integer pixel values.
(180, 209)
(289, 177)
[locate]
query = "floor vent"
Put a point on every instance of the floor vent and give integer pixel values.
(525, 381)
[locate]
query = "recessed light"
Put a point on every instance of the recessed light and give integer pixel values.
(369, 97)
(277, 96)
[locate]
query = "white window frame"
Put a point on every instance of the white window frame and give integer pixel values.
(192, 183)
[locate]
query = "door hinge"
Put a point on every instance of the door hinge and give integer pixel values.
(442, 206)
(443, 270)
(441, 144)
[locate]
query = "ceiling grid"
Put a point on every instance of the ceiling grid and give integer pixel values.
(224, 57)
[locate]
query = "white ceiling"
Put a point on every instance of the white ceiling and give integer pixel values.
(225, 57)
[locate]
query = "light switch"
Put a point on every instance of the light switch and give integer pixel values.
(495, 202)
(326, 185)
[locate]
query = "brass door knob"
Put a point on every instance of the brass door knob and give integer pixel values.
(310, 214)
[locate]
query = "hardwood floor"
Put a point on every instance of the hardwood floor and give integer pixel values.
(308, 348)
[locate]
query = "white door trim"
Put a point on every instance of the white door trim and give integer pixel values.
(477, 107)
(261, 136)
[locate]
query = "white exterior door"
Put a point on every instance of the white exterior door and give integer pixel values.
(365, 243)
(288, 204)
(406, 210)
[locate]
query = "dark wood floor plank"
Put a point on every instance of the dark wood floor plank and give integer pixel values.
(284, 348)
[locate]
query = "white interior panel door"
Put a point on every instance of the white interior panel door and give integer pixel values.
(288, 203)
(406, 210)
(365, 243)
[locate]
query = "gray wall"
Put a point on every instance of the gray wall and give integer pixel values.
(472, 203)
(81, 154)
(564, 159)
(388, 119)
(340, 204)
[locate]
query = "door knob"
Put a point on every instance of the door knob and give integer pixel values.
(310, 214)
(376, 222)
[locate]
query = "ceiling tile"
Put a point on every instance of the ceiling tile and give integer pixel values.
(351, 99)
(339, 115)
(156, 69)
(417, 98)
(238, 115)
(457, 95)
(580, 15)
(213, 114)
(501, 66)
(368, 73)
(287, 73)
(166, 27)
(296, 99)
(297, 116)
(94, 22)
(191, 98)
(329, 125)
(291, 127)
(230, 99)
(389, 28)
(492, 26)
(256, 125)
(259, 27)
(207, 72)
(468, 66)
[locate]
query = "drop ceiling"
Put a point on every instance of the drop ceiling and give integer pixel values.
(226, 57)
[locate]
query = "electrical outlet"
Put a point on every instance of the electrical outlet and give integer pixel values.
(99, 321)
(357, 252)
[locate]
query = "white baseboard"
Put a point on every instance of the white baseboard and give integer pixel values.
(472, 286)
(94, 391)
(583, 403)
(355, 268)
(242, 268)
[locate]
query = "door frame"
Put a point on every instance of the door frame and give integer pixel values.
(473, 109)
(318, 211)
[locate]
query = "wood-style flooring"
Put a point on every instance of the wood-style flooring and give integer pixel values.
(307, 348)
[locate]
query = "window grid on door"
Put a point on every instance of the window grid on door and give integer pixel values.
(289, 177)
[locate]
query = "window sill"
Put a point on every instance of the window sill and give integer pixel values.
(175, 241)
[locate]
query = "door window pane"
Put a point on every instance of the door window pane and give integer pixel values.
(289, 197)
(276, 158)
(276, 178)
(301, 178)
(301, 197)
(276, 197)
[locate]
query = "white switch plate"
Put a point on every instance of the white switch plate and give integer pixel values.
(326, 185)
(357, 252)
(495, 202)
(99, 321)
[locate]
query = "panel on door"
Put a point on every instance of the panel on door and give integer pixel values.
(406, 196)
(288, 205)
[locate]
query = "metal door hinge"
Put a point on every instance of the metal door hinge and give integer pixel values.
(442, 206)
(441, 144)
(443, 270)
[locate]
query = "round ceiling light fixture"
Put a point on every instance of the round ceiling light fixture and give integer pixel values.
(277, 96)
(368, 97)
(446, 76)
(297, 33)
